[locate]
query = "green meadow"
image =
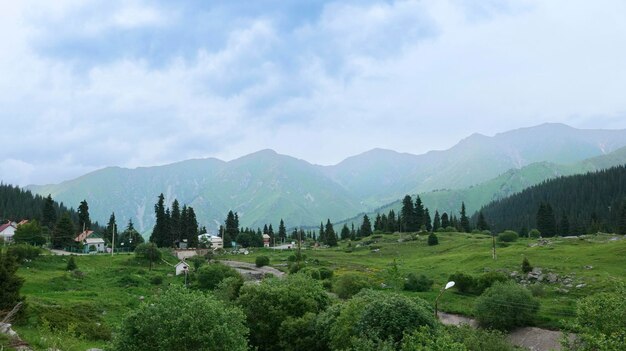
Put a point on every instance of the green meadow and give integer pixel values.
(79, 310)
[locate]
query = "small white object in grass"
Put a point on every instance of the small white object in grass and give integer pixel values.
(449, 285)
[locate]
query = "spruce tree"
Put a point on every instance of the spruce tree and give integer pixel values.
(392, 222)
(465, 224)
(383, 223)
(366, 227)
(345, 232)
(420, 216)
(407, 215)
(10, 282)
(427, 220)
(282, 231)
(176, 223)
(445, 221)
(159, 230)
(564, 225)
(231, 229)
(49, 214)
(191, 227)
(84, 222)
(436, 221)
(63, 234)
(270, 232)
(481, 223)
(621, 226)
(329, 233)
(378, 226)
(322, 234)
(110, 229)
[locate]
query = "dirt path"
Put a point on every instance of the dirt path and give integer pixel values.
(534, 339)
(252, 271)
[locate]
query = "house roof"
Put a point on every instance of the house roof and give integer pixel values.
(5, 226)
(24, 221)
(94, 241)
(182, 262)
(82, 236)
(265, 236)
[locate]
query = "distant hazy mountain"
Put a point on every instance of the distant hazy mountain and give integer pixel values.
(264, 187)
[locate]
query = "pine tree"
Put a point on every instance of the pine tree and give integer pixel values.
(270, 232)
(10, 282)
(465, 224)
(352, 231)
(427, 220)
(621, 226)
(366, 227)
(322, 235)
(63, 233)
(345, 232)
(392, 223)
(191, 227)
(564, 225)
(160, 227)
(384, 222)
(84, 222)
(282, 231)
(265, 230)
(436, 221)
(420, 216)
(445, 221)
(329, 232)
(481, 224)
(378, 226)
(49, 214)
(231, 228)
(546, 222)
(112, 228)
(176, 223)
(407, 215)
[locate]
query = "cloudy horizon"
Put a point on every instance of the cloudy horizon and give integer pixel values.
(130, 83)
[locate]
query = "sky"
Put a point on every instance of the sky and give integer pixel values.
(86, 84)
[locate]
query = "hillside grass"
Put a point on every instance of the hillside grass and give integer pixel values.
(95, 301)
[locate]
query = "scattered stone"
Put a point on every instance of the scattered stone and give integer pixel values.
(553, 278)
(563, 291)
(569, 285)
(5, 328)
(579, 286)
(589, 267)
(141, 298)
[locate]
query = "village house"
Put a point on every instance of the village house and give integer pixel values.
(216, 241)
(7, 231)
(90, 242)
(182, 267)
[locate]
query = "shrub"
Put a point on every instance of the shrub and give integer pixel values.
(268, 304)
(129, 280)
(526, 267)
(148, 252)
(326, 273)
(417, 283)
(261, 261)
(441, 230)
(451, 229)
(377, 315)
(432, 239)
(508, 236)
(183, 319)
(228, 289)
(84, 320)
(505, 306)
(71, 264)
(197, 262)
(464, 283)
(24, 252)
(479, 339)
(432, 340)
(537, 290)
(312, 272)
(10, 283)
(211, 275)
(350, 284)
(534, 234)
(156, 280)
(486, 280)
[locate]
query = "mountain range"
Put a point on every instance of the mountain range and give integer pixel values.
(264, 187)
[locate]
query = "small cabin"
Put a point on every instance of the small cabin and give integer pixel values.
(91, 245)
(7, 231)
(182, 268)
(266, 240)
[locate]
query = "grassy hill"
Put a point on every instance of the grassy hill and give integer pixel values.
(111, 286)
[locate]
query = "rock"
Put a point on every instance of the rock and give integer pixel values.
(579, 286)
(589, 267)
(569, 286)
(5, 328)
(552, 278)
(563, 291)
(540, 278)
(141, 298)
(536, 270)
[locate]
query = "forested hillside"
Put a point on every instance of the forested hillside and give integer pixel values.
(17, 204)
(570, 205)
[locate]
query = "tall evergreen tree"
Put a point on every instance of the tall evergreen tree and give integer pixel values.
(546, 221)
(378, 223)
(111, 229)
(366, 226)
(407, 215)
(345, 232)
(621, 226)
(191, 228)
(436, 221)
(481, 223)
(465, 224)
(63, 234)
(130, 238)
(270, 232)
(445, 220)
(329, 233)
(84, 222)
(49, 214)
(231, 228)
(159, 232)
(176, 223)
(10, 282)
(322, 235)
(427, 220)
(282, 231)
(418, 210)
(392, 222)
(564, 225)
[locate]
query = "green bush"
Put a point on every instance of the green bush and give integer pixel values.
(479, 339)
(326, 273)
(211, 275)
(261, 261)
(156, 280)
(312, 272)
(505, 306)
(350, 284)
(534, 234)
(414, 282)
(433, 240)
(24, 252)
(441, 230)
(268, 304)
(451, 229)
(526, 267)
(71, 264)
(128, 280)
(228, 289)
(377, 315)
(508, 236)
(183, 319)
(84, 319)
(486, 280)
(149, 252)
(464, 283)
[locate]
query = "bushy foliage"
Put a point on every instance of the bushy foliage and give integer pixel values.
(508, 236)
(228, 289)
(377, 315)
(24, 252)
(29, 233)
(261, 261)
(526, 267)
(534, 234)
(433, 240)
(464, 283)
(197, 262)
(600, 322)
(326, 273)
(350, 284)
(209, 276)
(71, 264)
(149, 252)
(486, 280)
(10, 283)
(429, 339)
(505, 306)
(84, 320)
(182, 319)
(270, 303)
(416, 282)
(312, 272)
(478, 339)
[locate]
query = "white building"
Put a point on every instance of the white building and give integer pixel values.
(216, 241)
(7, 231)
(98, 243)
(182, 267)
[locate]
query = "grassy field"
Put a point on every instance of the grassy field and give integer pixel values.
(76, 311)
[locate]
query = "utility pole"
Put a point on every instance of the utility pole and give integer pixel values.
(113, 240)
(493, 239)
